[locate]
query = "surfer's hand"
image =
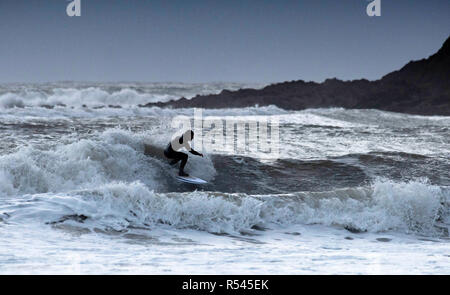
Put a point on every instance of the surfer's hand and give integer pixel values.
(201, 155)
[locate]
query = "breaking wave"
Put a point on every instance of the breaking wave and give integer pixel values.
(104, 94)
(410, 207)
(107, 181)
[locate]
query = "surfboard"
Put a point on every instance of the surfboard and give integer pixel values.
(191, 179)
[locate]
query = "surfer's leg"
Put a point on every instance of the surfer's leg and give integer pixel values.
(174, 157)
(184, 159)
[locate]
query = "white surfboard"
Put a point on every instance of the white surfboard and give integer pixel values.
(191, 179)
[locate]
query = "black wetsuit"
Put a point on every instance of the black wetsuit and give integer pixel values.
(170, 153)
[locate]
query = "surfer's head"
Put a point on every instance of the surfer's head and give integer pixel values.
(188, 135)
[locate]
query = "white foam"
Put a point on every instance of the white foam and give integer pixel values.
(112, 155)
(95, 94)
(408, 207)
(115, 154)
(10, 100)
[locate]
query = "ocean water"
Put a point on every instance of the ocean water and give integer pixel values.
(84, 188)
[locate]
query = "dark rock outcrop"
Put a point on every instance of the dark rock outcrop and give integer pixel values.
(420, 87)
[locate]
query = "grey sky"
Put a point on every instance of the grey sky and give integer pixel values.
(203, 41)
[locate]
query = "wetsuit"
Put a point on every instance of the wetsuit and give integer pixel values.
(170, 153)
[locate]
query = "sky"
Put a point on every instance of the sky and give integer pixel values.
(212, 40)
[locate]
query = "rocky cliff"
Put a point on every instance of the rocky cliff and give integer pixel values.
(420, 87)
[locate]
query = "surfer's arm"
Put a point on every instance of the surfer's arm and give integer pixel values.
(194, 152)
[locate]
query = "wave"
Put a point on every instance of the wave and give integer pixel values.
(122, 155)
(110, 181)
(23, 114)
(411, 207)
(104, 94)
(374, 117)
(113, 155)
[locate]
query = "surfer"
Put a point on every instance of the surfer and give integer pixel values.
(172, 150)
